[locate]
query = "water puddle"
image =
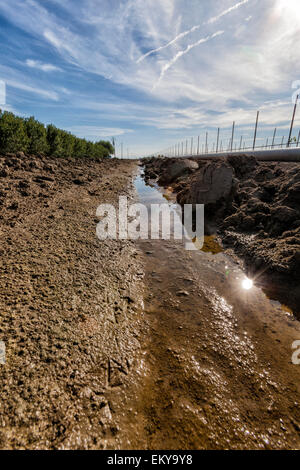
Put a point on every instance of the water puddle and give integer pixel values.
(151, 193)
(210, 255)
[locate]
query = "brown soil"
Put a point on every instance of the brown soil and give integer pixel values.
(70, 305)
(200, 364)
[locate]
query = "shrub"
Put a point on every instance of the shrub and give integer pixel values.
(29, 135)
(13, 136)
(54, 139)
(79, 148)
(37, 135)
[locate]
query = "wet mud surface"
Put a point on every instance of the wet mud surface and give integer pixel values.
(217, 358)
(254, 207)
(130, 345)
(70, 304)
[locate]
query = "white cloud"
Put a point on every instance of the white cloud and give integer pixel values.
(41, 66)
(182, 53)
(51, 95)
(254, 63)
(192, 30)
(96, 132)
(11, 77)
(179, 36)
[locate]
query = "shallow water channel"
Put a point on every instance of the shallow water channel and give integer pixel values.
(217, 356)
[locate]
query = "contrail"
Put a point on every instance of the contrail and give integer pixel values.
(182, 53)
(181, 35)
(194, 28)
(226, 12)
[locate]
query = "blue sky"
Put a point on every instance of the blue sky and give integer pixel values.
(152, 72)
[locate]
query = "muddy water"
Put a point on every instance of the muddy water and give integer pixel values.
(216, 369)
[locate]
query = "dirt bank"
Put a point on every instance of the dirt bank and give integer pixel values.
(70, 305)
(255, 209)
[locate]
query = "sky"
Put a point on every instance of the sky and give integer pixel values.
(152, 73)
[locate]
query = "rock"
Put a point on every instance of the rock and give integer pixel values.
(105, 415)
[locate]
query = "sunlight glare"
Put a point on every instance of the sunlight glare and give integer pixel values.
(247, 284)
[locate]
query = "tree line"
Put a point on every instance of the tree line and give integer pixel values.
(31, 136)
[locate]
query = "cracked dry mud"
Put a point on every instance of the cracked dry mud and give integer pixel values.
(200, 365)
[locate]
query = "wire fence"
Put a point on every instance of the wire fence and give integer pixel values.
(200, 146)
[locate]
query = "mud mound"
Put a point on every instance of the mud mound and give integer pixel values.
(169, 170)
(212, 185)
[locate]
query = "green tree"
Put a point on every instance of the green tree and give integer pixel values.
(68, 142)
(37, 135)
(79, 150)
(13, 136)
(54, 140)
(30, 135)
(108, 146)
(90, 150)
